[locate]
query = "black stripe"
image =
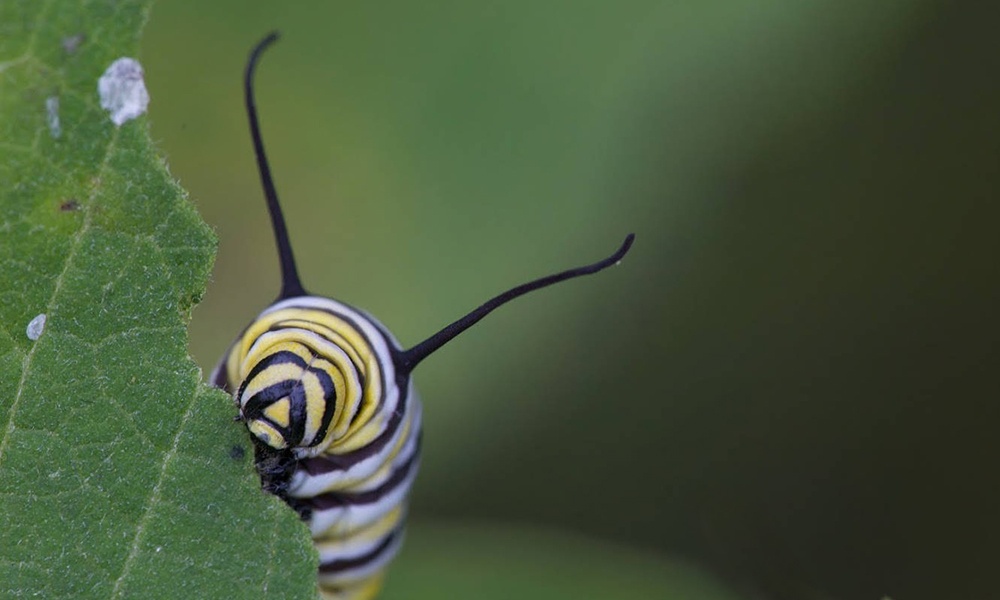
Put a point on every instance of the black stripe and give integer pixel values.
(362, 381)
(221, 379)
(297, 403)
(256, 404)
(330, 500)
(344, 564)
(329, 398)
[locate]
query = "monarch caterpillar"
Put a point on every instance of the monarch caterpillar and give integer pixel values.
(327, 395)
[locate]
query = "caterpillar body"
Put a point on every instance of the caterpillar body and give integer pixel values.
(327, 395)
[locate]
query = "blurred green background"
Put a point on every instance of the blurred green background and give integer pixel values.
(790, 384)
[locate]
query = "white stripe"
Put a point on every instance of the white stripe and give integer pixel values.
(354, 516)
(351, 547)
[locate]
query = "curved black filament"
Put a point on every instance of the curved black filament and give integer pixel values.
(408, 359)
(291, 286)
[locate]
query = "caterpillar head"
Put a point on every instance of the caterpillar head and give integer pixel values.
(309, 380)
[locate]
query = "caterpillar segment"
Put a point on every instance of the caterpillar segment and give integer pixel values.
(314, 380)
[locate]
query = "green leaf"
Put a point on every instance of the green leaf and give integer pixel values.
(121, 475)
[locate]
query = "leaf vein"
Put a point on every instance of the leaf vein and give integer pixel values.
(154, 499)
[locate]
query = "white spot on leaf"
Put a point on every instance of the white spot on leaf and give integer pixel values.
(35, 327)
(72, 43)
(52, 115)
(123, 91)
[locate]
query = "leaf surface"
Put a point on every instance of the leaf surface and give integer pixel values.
(121, 474)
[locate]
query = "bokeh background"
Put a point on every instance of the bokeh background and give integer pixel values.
(788, 390)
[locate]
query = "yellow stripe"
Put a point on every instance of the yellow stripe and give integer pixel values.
(316, 405)
(368, 589)
(276, 342)
(334, 538)
(267, 434)
(270, 376)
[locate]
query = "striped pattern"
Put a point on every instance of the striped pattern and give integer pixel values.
(336, 430)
